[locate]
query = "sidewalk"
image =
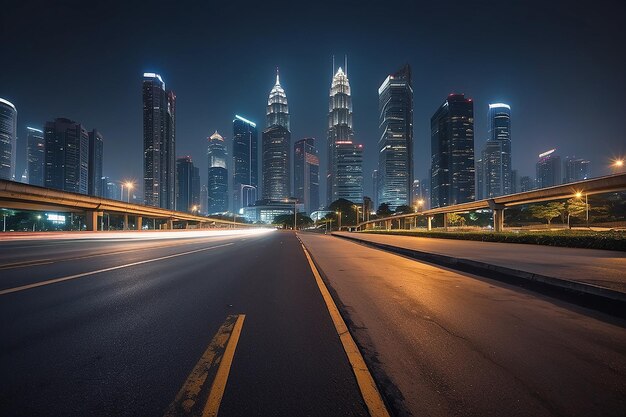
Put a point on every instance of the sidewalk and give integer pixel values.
(595, 268)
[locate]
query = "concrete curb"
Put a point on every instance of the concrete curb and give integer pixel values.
(588, 295)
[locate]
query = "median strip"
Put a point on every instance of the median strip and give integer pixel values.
(369, 391)
(215, 362)
(84, 274)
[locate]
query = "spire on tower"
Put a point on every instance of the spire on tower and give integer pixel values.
(277, 79)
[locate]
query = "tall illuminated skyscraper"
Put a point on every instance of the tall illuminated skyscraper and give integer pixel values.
(96, 152)
(36, 156)
(188, 188)
(344, 178)
(306, 174)
(276, 146)
(495, 168)
(8, 139)
(452, 152)
(217, 189)
(159, 142)
(548, 169)
(395, 145)
(67, 156)
(245, 163)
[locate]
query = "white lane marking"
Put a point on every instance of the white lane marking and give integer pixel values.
(84, 274)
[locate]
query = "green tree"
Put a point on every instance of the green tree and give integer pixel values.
(575, 207)
(286, 220)
(456, 220)
(346, 208)
(384, 210)
(404, 209)
(547, 211)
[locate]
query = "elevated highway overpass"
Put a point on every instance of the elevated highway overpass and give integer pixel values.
(19, 196)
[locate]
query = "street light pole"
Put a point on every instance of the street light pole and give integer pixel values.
(295, 217)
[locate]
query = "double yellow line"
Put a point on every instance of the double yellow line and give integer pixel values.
(215, 362)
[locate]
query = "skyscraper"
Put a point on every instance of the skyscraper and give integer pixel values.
(452, 152)
(576, 169)
(526, 184)
(67, 156)
(8, 139)
(217, 190)
(188, 189)
(344, 178)
(548, 169)
(276, 146)
(306, 175)
(395, 146)
(496, 155)
(245, 163)
(96, 152)
(159, 142)
(36, 156)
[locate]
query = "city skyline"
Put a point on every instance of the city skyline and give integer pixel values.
(535, 94)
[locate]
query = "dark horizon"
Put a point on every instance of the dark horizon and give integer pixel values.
(560, 66)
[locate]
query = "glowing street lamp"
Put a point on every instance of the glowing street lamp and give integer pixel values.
(579, 195)
(129, 186)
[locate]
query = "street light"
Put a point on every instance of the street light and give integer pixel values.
(129, 186)
(579, 195)
(338, 220)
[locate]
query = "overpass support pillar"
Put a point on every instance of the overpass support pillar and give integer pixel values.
(498, 215)
(91, 220)
(139, 222)
(498, 220)
(445, 221)
(125, 222)
(430, 223)
(170, 224)
(388, 224)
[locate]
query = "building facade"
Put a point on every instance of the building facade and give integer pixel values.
(96, 152)
(245, 163)
(188, 188)
(217, 189)
(8, 139)
(548, 169)
(276, 146)
(67, 156)
(306, 174)
(395, 146)
(576, 169)
(344, 177)
(452, 152)
(496, 155)
(349, 171)
(35, 156)
(159, 142)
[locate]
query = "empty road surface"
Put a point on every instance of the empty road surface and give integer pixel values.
(131, 324)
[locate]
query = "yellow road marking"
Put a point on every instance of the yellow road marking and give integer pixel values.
(84, 274)
(369, 391)
(50, 261)
(219, 384)
(220, 351)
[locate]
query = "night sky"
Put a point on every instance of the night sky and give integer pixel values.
(560, 65)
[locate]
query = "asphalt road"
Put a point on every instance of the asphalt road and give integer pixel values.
(113, 324)
(444, 343)
(121, 342)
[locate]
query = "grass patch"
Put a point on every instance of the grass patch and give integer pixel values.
(564, 238)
